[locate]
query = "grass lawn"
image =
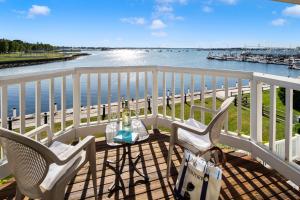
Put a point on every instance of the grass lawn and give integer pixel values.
(29, 56)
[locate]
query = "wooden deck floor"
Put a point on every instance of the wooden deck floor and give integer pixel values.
(243, 178)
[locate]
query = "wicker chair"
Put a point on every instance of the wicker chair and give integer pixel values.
(43, 169)
(195, 136)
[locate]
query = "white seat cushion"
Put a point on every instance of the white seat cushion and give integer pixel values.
(57, 171)
(201, 142)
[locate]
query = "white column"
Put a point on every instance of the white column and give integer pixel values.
(226, 96)
(76, 100)
(182, 96)
(37, 103)
(4, 106)
(63, 103)
(173, 95)
(99, 98)
(51, 104)
(154, 97)
(272, 121)
(22, 104)
(256, 111)
(88, 99)
(164, 94)
(192, 88)
(203, 98)
(288, 123)
(239, 107)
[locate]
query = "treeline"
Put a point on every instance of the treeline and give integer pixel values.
(11, 46)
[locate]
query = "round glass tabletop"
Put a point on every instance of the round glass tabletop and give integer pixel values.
(137, 126)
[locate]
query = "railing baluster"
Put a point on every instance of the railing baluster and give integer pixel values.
(154, 97)
(272, 130)
(182, 96)
(192, 88)
(256, 111)
(226, 96)
(119, 93)
(128, 86)
(51, 104)
(239, 107)
(99, 98)
(214, 94)
(173, 95)
(88, 99)
(76, 101)
(288, 123)
(63, 103)
(164, 94)
(22, 107)
(37, 103)
(146, 94)
(109, 96)
(202, 97)
(137, 78)
(4, 106)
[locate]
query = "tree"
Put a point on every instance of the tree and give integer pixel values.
(296, 98)
(4, 46)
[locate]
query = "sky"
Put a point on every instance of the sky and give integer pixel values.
(152, 23)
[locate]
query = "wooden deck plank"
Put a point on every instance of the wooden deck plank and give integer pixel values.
(243, 178)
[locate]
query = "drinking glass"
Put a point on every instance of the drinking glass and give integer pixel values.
(114, 118)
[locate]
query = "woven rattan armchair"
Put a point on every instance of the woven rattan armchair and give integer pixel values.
(195, 136)
(43, 169)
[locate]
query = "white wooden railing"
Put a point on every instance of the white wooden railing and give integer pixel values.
(156, 80)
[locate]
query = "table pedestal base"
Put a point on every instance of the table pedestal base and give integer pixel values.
(119, 169)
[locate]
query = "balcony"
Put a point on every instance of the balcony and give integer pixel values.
(261, 157)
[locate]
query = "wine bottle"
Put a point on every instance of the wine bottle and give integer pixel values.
(126, 115)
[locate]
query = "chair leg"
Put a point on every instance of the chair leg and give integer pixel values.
(92, 160)
(19, 195)
(170, 153)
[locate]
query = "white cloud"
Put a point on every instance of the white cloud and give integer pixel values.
(171, 1)
(159, 34)
(278, 22)
(157, 24)
(207, 9)
(164, 8)
(230, 2)
(293, 11)
(134, 20)
(36, 10)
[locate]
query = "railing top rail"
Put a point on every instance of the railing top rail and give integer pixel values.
(283, 81)
(267, 78)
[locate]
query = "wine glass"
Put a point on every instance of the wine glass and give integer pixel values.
(114, 118)
(137, 114)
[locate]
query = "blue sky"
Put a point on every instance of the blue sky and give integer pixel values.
(152, 23)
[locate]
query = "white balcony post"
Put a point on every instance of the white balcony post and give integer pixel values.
(239, 107)
(192, 88)
(119, 95)
(272, 129)
(63, 103)
(173, 96)
(37, 103)
(288, 123)
(164, 94)
(22, 104)
(4, 106)
(154, 97)
(99, 98)
(88, 99)
(203, 97)
(76, 101)
(226, 96)
(256, 111)
(51, 104)
(182, 96)
(146, 95)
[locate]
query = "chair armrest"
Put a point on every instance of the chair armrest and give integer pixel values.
(35, 132)
(83, 144)
(176, 125)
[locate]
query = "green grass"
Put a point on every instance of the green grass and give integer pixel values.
(29, 56)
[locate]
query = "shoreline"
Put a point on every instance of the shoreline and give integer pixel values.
(21, 63)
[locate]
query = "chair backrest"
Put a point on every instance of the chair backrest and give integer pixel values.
(28, 161)
(216, 124)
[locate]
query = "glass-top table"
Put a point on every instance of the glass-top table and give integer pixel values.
(112, 129)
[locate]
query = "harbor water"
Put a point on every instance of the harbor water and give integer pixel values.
(129, 57)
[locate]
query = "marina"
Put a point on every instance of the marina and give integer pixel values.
(290, 60)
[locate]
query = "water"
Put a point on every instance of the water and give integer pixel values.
(176, 57)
